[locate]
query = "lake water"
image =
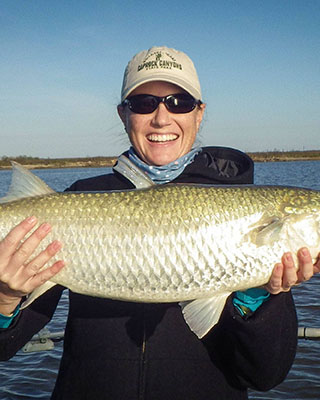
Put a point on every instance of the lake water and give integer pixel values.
(32, 375)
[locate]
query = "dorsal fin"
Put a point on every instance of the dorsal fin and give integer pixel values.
(25, 184)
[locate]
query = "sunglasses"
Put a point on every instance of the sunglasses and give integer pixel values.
(180, 103)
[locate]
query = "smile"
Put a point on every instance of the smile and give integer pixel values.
(162, 138)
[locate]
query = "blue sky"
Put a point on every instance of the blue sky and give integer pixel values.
(62, 63)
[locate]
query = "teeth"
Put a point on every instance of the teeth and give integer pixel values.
(162, 138)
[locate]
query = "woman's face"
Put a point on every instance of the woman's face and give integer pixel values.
(161, 137)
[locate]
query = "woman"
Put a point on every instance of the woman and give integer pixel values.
(118, 350)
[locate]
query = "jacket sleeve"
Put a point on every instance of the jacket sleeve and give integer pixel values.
(258, 351)
(28, 322)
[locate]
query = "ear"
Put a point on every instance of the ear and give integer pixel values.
(122, 114)
(200, 113)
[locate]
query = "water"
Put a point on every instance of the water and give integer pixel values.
(303, 381)
(32, 376)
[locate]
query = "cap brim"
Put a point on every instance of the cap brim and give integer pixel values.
(163, 78)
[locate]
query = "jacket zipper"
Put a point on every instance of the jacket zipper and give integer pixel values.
(143, 359)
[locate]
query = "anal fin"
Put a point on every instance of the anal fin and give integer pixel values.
(37, 293)
(202, 314)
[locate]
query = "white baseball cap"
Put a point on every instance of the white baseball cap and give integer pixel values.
(161, 64)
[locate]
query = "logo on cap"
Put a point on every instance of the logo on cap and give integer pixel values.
(159, 59)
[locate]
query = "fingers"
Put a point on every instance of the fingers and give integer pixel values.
(23, 253)
(14, 255)
(30, 276)
(10, 243)
(274, 286)
(285, 274)
(289, 277)
(306, 268)
(20, 274)
(47, 274)
(316, 267)
(35, 265)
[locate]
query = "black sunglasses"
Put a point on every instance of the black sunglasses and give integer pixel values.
(179, 103)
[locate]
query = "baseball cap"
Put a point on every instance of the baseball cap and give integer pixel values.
(161, 64)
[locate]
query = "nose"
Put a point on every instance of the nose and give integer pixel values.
(161, 116)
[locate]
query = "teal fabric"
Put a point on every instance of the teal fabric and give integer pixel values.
(5, 321)
(250, 299)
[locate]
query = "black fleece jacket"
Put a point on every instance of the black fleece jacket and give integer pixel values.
(133, 351)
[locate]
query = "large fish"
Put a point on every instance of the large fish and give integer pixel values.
(170, 243)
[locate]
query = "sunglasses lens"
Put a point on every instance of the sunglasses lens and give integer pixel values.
(143, 104)
(180, 103)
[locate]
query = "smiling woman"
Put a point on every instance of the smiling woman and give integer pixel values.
(161, 105)
(146, 351)
(165, 133)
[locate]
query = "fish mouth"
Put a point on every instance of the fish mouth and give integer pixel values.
(162, 138)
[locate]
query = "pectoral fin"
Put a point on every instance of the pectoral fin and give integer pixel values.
(266, 231)
(297, 229)
(202, 314)
(37, 293)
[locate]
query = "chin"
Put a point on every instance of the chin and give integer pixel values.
(162, 159)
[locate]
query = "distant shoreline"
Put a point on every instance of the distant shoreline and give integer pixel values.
(272, 156)
(96, 162)
(46, 163)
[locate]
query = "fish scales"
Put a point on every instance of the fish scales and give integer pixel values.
(187, 243)
(164, 244)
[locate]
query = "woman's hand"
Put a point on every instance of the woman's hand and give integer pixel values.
(285, 275)
(19, 269)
